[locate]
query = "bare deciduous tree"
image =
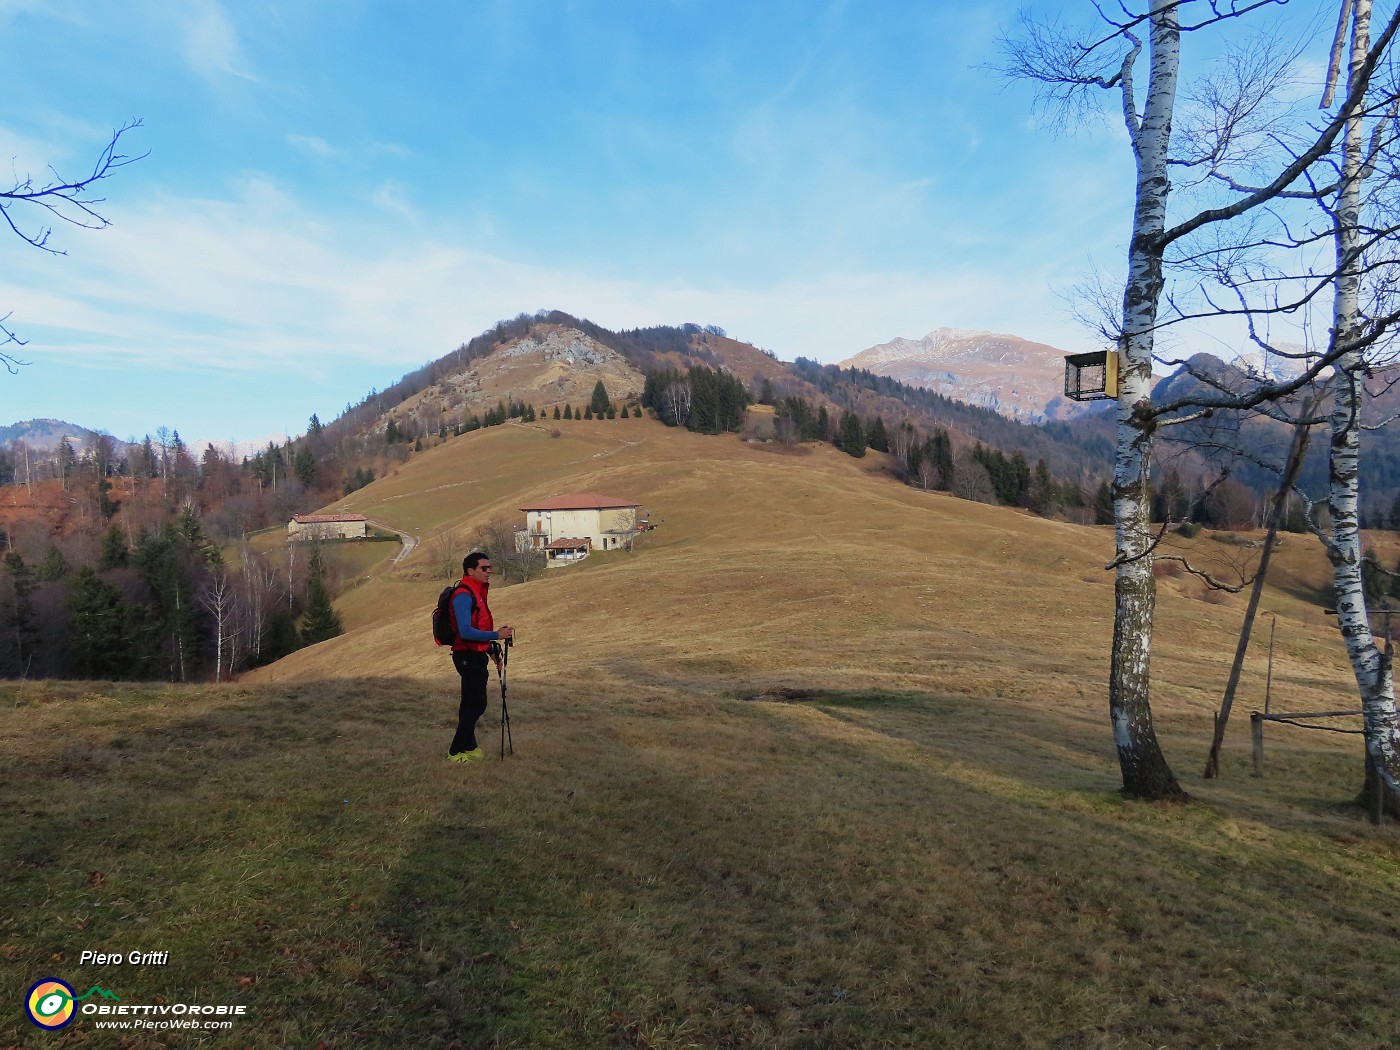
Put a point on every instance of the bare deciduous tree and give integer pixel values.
(217, 598)
(970, 477)
(1068, 68)
(446, 560)
(497, 538)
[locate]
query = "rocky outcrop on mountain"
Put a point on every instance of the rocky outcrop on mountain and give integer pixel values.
(560, 344)
(1016, 377)
(553, 364)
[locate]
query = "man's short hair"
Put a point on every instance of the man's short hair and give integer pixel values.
(472, 560)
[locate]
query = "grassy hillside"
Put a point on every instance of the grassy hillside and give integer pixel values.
(810, 571)
(823, 763)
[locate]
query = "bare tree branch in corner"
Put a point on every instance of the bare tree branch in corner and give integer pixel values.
(57, 199)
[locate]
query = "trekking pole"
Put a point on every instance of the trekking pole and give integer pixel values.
(505, 711)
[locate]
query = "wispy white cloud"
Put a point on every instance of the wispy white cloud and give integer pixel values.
(21, 155)
(390, 197)
(211, 44)
(198, 286)
(313, 144)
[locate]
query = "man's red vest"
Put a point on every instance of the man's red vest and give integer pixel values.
(481, 616)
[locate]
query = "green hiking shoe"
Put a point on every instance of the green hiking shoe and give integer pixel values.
(463, 757)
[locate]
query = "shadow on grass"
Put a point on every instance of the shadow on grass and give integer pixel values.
(672, 874)
(761, 883)
(1040, 749)
(227, 826)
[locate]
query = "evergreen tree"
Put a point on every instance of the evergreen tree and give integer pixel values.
(1018, 480)
(99, 623)
(568, 411)
(65, 462)
(147, 464)
(320, 621)
(1045, 494)
(878, 438)
(362, 477)
(314, 427)
(24, 628)
(588, 412)
(717, 401)
(165, 640)
(940, 450)
(612, 412)
(765, 396)
(795, 420)
(191, 531)
(304, 466)
(279, 637)
(106, 506)
(53, 566)
(601, 402)
(114, 554)
(852, 439)
(1103, 504)
(556, 411)
(913, 459)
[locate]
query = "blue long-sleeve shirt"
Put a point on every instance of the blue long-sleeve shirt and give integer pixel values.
(462, 606)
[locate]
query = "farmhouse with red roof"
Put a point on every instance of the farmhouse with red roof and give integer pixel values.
(566, 528)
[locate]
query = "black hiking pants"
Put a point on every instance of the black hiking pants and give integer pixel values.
(473, 669)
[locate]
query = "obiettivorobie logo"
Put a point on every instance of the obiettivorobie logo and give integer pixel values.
(50, 1002)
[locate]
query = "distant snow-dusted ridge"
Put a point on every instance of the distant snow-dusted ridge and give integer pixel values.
(1016, 377)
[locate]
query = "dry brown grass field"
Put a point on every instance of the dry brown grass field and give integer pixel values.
(911, 838)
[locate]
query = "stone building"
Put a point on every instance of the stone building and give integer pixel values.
(328, 527)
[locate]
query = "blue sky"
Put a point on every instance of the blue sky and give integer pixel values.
(338, 192)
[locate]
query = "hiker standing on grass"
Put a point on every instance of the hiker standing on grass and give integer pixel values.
(473, 633)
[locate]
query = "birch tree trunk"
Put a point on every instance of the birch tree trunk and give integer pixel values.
(1373, 672)
(1144, 767)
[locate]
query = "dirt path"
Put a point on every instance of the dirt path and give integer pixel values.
(408, 542)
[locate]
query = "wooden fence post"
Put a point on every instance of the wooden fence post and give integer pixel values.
(1256, 732)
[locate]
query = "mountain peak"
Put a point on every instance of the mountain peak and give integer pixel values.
(1016, 377)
